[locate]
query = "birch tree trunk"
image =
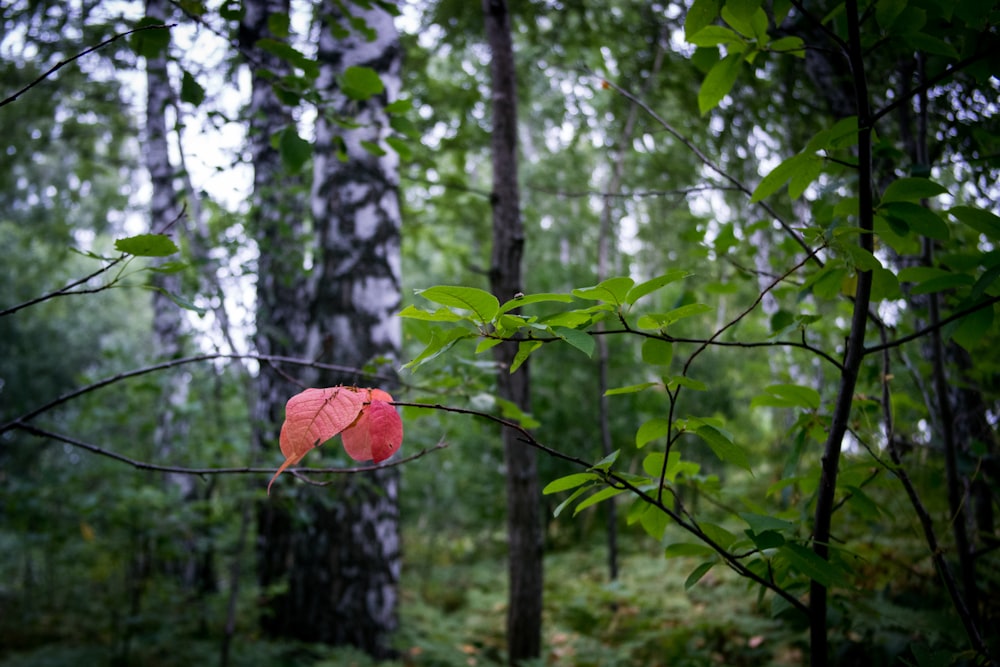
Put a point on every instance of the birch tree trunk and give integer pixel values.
(194, 566)
(329, 292)
(524, 526)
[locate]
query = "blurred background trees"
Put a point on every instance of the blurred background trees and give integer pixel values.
(278, 159)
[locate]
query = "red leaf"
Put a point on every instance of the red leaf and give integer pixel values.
(377, 434)
(313, 417)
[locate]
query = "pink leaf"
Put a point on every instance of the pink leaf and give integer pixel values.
(313, 417)
(378, 433)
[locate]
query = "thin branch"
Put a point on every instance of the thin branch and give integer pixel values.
(928, 84)
(264, 358)
(68, 290)
(854, 352)
(632, 194)
(619, 482)
(926, 522)
(182, 470)
(933, 327)
(448, 185)
(62, 63)
(760, 297)
(708, 162)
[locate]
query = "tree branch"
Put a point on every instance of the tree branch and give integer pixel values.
(182, 470)
(62, 63)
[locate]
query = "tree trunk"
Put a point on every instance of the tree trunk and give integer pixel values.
(341, 555)
(193, 567)
(524, 527)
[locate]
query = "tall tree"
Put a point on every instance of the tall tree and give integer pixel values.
(524, 528)
(341, 556)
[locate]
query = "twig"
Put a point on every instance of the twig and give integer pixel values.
(62, 63)
(932, 327)
(711, 164)
(182, 470)
(18, 421)
(67, 290)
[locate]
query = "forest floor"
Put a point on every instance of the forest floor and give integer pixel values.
(453, 613)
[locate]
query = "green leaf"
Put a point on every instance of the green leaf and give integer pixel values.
(811, 565)
(778, 177)
(808, 172)
(760, 522)
(572, 498)
(973, 328)
(483, 305)
(439, 315)
(793, 45)
(886, 12)
(844, 133)
(440, 342)
(402, 148)
(182, 302)
(598, 497)
(911, 189)
(885, 285)
(487, 344)
(581, 340)
(713, 35)
(524, 350)
(510, 410)
(151, 42)
(684, 381)
(654, 521)
(361, 83)
(631, 389)
(921, 41)
(372, 148)
(980, 220)
(290, 55)
(169, 267)
(651, 430)
(653, 284)
(918, 218)
(768, 539)
(279, 24)
(399, 106)
(191, 90)
(787, 396)
(861, 259)
(608, 461)
(717, 534)
(527, 299)
(723, 447)
(295, 151)
(718, 82)
(698, 573)
(663, 320)
(943, 282)
(701, 14)
(147, 245)
(569, 482)
(741, 14)
(656, 352)
(612, 290)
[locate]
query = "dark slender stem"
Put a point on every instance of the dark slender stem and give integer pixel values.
(855, 350)
(933, 326)
(926, 522)
(711, 164)
(62, 63)
(183, 470)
